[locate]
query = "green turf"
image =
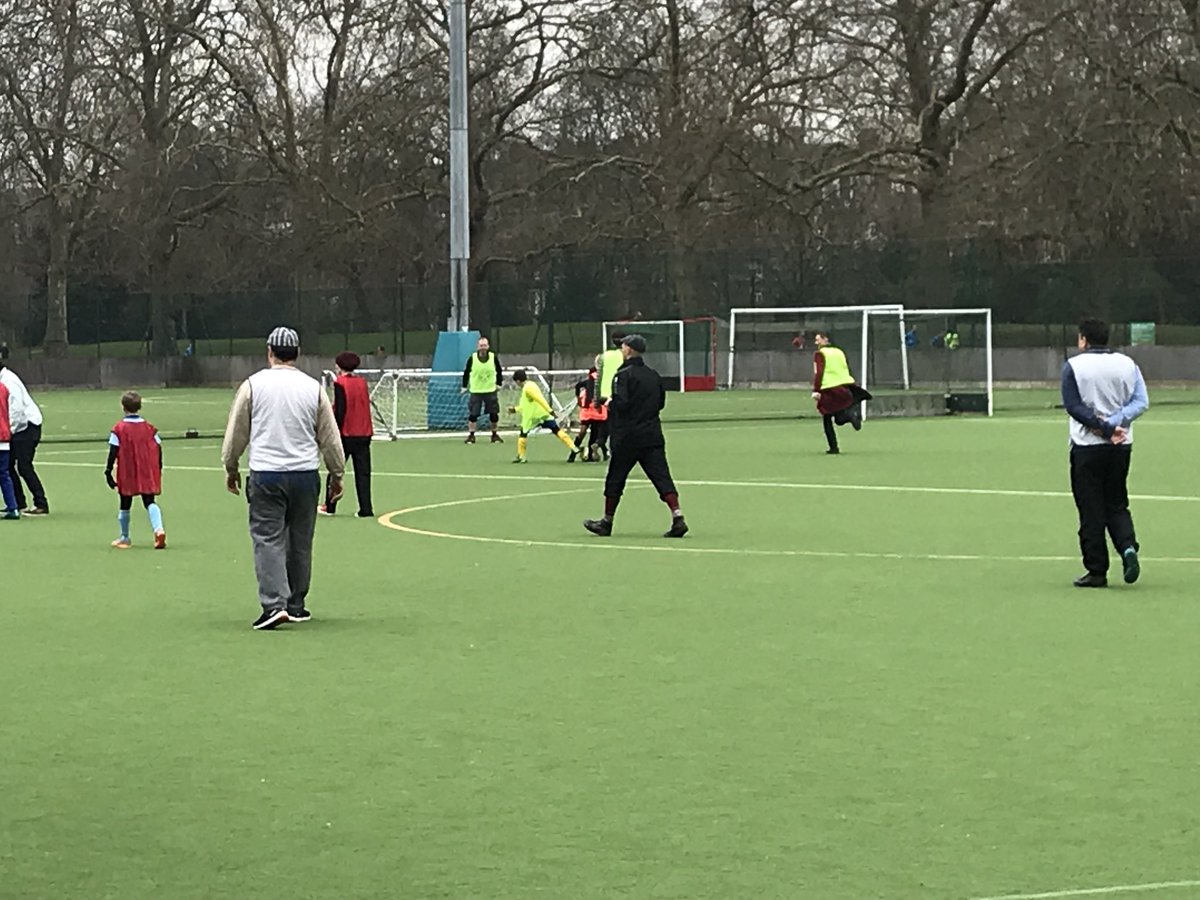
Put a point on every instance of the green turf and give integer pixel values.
(799, 700)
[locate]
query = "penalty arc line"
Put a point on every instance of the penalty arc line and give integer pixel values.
(387, 520)
(1108, 891)
(775, 485)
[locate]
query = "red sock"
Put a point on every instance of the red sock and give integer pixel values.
(672, 501)
(610, 505)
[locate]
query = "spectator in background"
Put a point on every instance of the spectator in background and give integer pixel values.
(25, 418)
(800, 341)
(4, 353)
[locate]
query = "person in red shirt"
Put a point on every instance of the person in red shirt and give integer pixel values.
(7, 494)
(352, 410)
(593, 418)
(135, 448)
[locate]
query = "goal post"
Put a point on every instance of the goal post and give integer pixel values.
(402, 404)
(682, 351)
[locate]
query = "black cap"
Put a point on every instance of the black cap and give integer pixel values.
(635, 342)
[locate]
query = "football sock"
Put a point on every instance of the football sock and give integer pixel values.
(521, 442)
(562, 435)
(123, 521)
(672, 501)
(610, 506)
(155, 513)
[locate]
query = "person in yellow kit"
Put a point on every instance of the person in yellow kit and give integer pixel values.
(839, 399)
(535, 412)
(607, 364)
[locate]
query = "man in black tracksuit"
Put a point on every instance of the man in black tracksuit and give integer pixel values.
(635, 438)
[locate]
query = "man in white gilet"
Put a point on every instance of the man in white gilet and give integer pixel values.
(1103, 392)
(287, 421)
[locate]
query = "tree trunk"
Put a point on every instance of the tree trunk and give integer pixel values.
(935, 280)
(161, 324)
(57, 339)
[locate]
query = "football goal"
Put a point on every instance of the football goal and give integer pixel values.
(946, 352)
(773, 347)
(915, 361)
(411, 402)
(683, 351)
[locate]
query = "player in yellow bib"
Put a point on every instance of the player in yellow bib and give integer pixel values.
(839, 399)
(535, 412)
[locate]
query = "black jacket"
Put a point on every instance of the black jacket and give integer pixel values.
(638, 397)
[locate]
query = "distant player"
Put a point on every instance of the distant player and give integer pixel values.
(838, 397)
(135, 448)
(352, 411)
(593, 418)
(535, 413)
(7, 495)
(482, 378)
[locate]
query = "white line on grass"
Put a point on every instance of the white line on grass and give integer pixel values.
(387, 520)
(777, 485)
(1099, 891)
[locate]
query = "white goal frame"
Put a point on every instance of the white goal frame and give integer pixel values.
(631, 327)
(562, 410)
(986, 312)
(866, 311)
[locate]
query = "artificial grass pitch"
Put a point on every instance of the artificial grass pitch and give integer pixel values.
(863, 676)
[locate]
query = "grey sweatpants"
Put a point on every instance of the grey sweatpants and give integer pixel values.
(283, 518)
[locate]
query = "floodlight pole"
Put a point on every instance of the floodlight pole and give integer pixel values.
(460, 201)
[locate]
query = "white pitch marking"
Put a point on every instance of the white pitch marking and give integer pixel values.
(780, 485)
(1099, 891)
(386, 520)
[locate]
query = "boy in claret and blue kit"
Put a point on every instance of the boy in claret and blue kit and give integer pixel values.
(135, 448)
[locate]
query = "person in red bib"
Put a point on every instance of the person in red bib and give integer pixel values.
(135, 448)
(593, 417)
(352, 410)
(7, 494)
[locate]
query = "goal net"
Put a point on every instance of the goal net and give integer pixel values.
(773, 348)
(946, 351)
(682, 351)
(408, 402)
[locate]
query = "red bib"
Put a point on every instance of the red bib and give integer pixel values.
(358, 407)
(137, 459)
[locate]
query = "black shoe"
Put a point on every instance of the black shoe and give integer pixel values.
(834, 451)
(601, 527)
(37, 511)
(496, 439)
(270, 619)
(1130, 564)
(301, 615)
(856, 419)
(678, 528)
(571, 458)
(1091, 581)
(366, 515)
(470, 439)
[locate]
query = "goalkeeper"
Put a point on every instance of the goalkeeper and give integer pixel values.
(535, 413)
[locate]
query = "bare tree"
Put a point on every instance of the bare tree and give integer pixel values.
(63, 118)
